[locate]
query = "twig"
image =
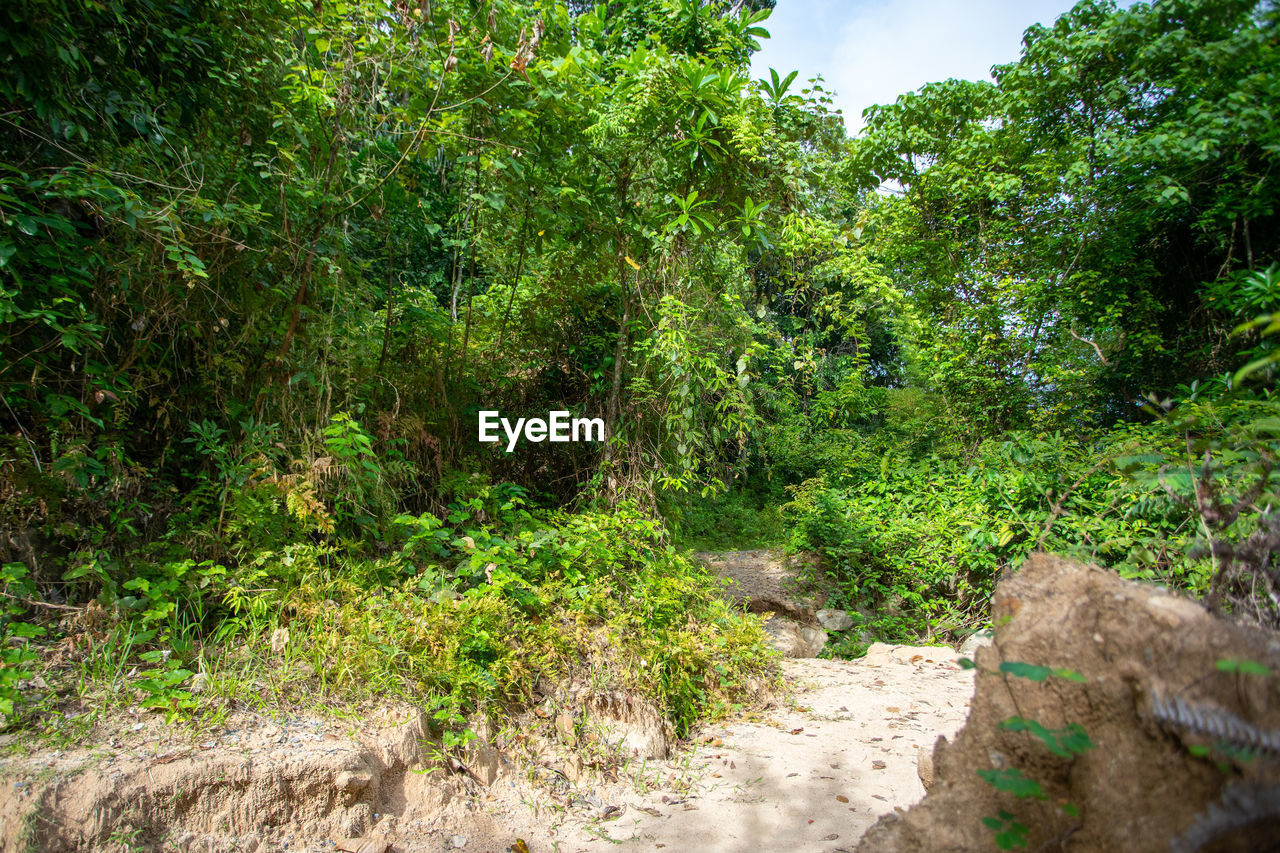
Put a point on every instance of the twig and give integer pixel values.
(1096, 348)
(35, 457)
(31, 602)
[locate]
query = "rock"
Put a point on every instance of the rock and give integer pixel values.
(765, 581)
(459, 841)
(564, 725)
(629, 722)
(980, 639)
(924, 766)
(352, 781)
(793, 639)
(879, 654)
(835, 620)
(1148, 694)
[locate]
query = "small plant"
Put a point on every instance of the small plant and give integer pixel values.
(163, 685)
(1068, 742)
(1009, 833)
(15, 657)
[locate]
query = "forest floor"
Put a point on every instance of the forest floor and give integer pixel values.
(810, 770)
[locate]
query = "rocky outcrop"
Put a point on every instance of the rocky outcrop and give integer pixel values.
(767, 582)
(1129, 719)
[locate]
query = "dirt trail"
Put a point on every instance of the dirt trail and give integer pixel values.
(812, 775)
(817, 775)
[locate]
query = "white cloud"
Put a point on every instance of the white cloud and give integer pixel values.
(871, 51)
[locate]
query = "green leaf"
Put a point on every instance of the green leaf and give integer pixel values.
(1025, 670)
(1243, 667)
(1011, 780)
(1069, 675)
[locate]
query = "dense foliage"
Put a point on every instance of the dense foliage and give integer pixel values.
(262, 262)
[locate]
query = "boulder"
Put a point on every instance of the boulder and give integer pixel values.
(779, 587)
(793, 639)
(981, 639)
(1127, 706)
(835, 620)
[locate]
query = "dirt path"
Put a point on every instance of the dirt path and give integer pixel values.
(817, 775)
(839, 750)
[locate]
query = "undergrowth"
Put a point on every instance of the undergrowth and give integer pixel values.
(305, 590)
(1184, 501)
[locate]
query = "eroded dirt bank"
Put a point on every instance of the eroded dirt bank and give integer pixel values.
(809, 770)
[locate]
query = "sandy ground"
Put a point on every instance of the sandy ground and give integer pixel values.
(810, 776)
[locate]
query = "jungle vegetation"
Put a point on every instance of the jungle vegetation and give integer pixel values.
(262, 262)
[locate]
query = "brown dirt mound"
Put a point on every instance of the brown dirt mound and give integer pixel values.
(1184, 742)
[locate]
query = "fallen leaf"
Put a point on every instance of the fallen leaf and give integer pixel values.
(877, 765)
(841, 798)
(519, 846)
(797, 731)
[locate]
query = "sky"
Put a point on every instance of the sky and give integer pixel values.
(871, 51)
